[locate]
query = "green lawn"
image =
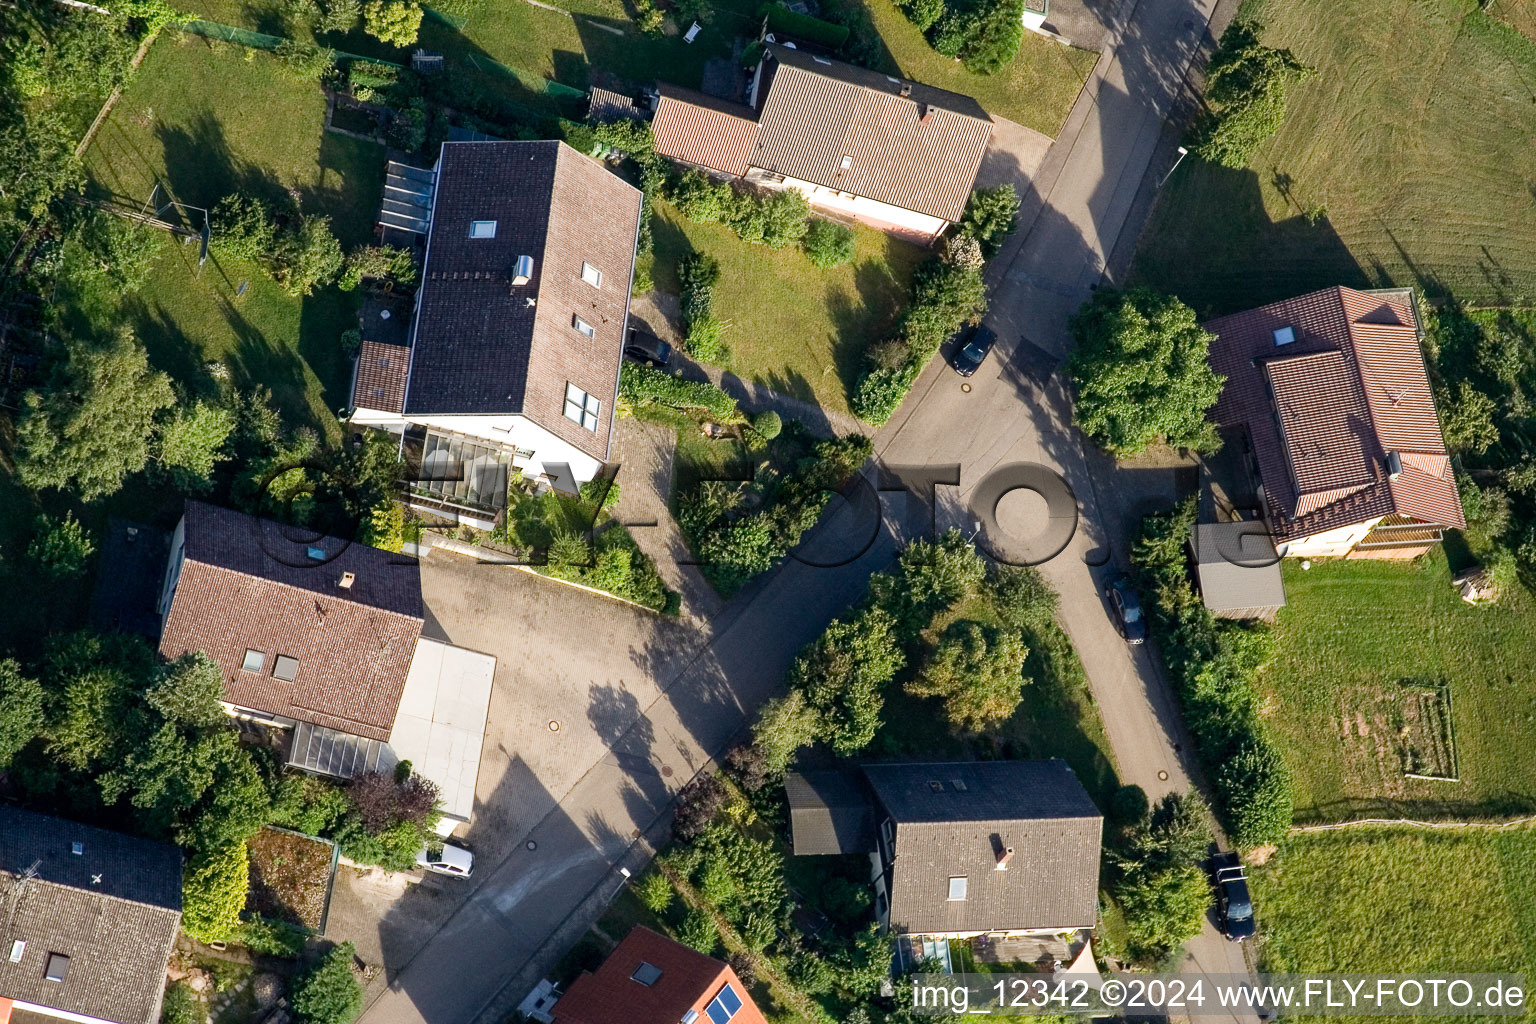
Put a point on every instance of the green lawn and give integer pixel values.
(1036, 90)
(1352, 634)
(1399, 901)
(792, 326)
(1410, 145)
(206, 120)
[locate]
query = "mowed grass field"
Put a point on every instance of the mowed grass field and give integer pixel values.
(206, 120)
(1410, 148)
(1399, 901)
(1352, 634)
(792, 326)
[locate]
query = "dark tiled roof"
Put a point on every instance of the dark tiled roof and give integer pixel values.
(245, 585)
(945, 831)
(381, 372)
(688, 981)
(1237, 566)
(699, 129)
(607, 105)
(117, 932)
(479, 347)
(1324, 410)
(918, 152)
(829, 812)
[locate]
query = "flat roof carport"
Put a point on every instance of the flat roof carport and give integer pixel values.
(440, 726)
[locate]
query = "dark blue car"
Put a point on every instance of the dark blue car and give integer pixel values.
(971, 350)
(1129, 620)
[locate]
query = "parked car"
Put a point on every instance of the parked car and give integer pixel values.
(971, 349)
(645, 347)
(447, 860)
(1234, 909)
(1129, 619)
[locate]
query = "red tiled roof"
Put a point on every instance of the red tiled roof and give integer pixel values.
(699, 129)
(1324, 410)
(919, 152)
(381, 373)
(689, 980)
(244, 586)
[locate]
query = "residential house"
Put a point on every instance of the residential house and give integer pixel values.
(87, 921)
(996, 848)
(896, 155)
(650, 979)
(1329, 396)
(319, 639)
(512, 359)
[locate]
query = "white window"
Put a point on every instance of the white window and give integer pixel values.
(482, 229)
(584, 327)
(591, 275)
(957, 887)
(581, 407)
(254, 660)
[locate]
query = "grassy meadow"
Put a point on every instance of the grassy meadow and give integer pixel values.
(1405, 159)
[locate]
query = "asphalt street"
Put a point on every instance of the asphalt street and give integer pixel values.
(530, 902)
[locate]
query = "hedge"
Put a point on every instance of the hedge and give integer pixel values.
(803, 26)
(645, 385)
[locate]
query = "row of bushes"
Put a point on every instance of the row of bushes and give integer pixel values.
(947, 293)
(299, 250)
(983, 34)
(643, 385)
(697, 274)
(1214, 665)
(777, 218)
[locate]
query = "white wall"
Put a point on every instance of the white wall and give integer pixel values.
(878, 215)
(568, 465)
(1332, 544)
(172, 570)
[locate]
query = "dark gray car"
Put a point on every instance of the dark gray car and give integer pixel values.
(645, 347)
(971, 349)
(1129, 619)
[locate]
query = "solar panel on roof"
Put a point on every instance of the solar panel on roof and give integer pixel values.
(724, 1006)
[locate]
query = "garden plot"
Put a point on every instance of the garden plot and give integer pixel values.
(290, 877)
(1395, 733)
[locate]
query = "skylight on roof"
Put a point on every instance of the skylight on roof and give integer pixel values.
(847, 162)
(482, 229)
(58, 967)
(1285, 335)
(285, 668)
(254, 660)
(646, 974)
(957, 887)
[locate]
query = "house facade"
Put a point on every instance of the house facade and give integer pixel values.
(892, 154)
(518, 326)
(650, 979)
(996, 848)
(319, 641)
(1329, 397)
(90, 919)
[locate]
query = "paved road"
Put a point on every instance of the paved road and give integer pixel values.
(528, 905)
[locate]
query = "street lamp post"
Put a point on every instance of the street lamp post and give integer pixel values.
(1182, 154)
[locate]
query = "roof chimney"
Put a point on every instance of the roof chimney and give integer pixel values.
(347, 579)
(522, 271)
(1004, 857)
(906, 90)
(1394, 464)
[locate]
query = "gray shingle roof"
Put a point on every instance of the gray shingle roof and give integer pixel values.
(1237, 567)
(829, 812)
(480, 347)
(117, 932)
(944, 831)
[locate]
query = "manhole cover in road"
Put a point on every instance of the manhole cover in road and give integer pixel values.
(531, 845)
(554, 726)
(1162, 776)
(666, 771)
(965, 388)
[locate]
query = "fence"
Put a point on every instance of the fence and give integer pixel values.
(1391, 822)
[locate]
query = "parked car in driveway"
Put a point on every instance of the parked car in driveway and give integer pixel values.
(1129, 620)
(971, 349)
(1234, 908)
(645, 347)
(447, 860)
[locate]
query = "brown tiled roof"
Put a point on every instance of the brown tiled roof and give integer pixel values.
(918, 152)
(480, 347)
(1324, 410)
(244, 585)
(381, 372)
(699, 129)
(689, 980)
(113, 909)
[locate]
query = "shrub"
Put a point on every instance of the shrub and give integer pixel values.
(383, 526)
(600, 491)
(704, 340)
(829, 244)
(697, 804)
(745, 966)
(242, 228)
(328, 993)
(700, 198)
(990, 217)
(1255, 785)
(645, 385)
(784, 218)
(304, 62)
(274, 938)
(340, 16)
(627, 134)
(698, 932)
(21, 710)
(307, 257)
(768, 424)
(60, 548)
(656, 892)
(408, 127)
(803, 26)
(985, 35)
(748, 766)
(181, 1005)
(977, 670)
(389, 265)
(1163, 910)
(392, 21)
(1129, 805)
(382, 802)
(213, 893)
(923, 13)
